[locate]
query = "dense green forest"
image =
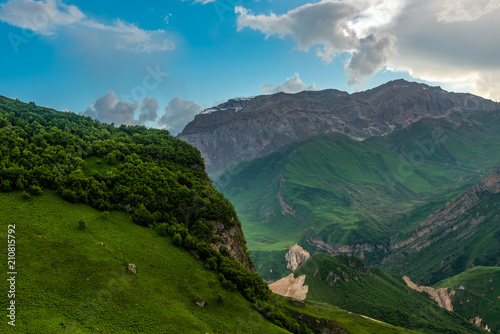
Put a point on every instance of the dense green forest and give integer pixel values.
(158, 178)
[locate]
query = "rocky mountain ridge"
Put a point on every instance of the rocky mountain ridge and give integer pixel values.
(242, 129)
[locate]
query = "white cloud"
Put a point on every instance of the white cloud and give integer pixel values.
(335, 27)
(434, 40)
(44, 17)
(458, 49)
(127, 36)
(178, 113)
(204, 1)
(466, 10)
(372, 54)
(291, 85)
(149, 108)
(108, 109)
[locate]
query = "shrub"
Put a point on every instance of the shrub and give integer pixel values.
(36, 190)
(69, 195)
(177, 239)
(82, 224)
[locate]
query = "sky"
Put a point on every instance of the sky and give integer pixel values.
(159, 63)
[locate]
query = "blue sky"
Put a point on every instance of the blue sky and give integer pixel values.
(159, 63)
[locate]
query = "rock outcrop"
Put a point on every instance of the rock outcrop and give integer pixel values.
(233, 240)
(442, 296)
(291, 287)
(296, 256)
(242, 129)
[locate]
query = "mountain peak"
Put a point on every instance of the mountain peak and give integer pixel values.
(245, 128)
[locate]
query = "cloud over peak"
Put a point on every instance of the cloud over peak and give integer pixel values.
(291, 85)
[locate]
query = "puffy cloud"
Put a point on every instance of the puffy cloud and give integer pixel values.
(372, 54)
(456, 48)
(42, 17)
(291, 85)
(108, 109)
(324, 23)
(178, 113)
(149, 108)
(335, 27)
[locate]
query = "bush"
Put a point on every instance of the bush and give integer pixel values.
(69, 195)
(36, 190)
(177, 239)
(82, 224)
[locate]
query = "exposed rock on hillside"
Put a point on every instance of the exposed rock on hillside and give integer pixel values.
(441, 296)
(233, 240)
(296, 256)
(242, 129)
(291, 287)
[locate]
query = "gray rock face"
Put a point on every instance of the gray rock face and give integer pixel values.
(233, 240)
(242, 129)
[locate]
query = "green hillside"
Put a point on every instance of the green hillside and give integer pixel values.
(477, 295)
(68, 282)
(331, 191)
(348, 283)
(160, 181)
(471, 239)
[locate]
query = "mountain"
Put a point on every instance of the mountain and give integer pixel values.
(476, 295)
(244, 129)
(348, 283)
(334, 194)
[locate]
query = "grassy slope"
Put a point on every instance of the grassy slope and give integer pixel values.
(354, 323)
(346, 282)
(477, 294)
(69, 283)
(479, 244)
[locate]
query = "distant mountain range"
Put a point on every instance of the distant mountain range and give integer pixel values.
(246, 128)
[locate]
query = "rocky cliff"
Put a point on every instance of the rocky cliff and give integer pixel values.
(442, 296)
(296, 256)
(233, 240)
(242, 129)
